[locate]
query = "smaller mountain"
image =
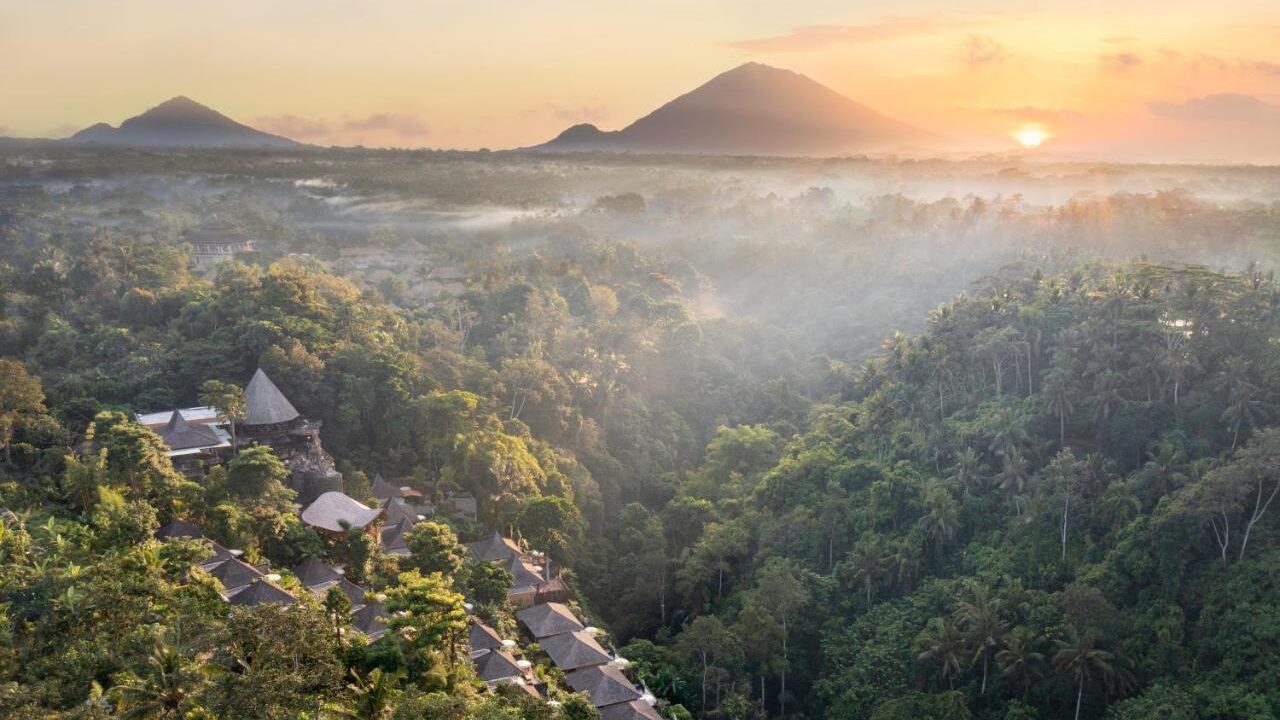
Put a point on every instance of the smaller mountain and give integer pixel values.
(181, 122)
(753, 109)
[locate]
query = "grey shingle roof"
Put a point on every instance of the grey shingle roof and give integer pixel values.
(483, 637)
(179, 529)
(495, 665)
(234, 574)
(634, 710)
(370, 620)
(313, 573)
(548, 619)
(331, 509)
(603, 684)
(393, 541)
(261, 592)
(397, 509)
(570, 651)
(523, 575)
(265, 404)
(494, 547)
(384, 490)
(181, 435)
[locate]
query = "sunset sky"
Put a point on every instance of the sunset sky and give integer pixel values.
(1134, 80)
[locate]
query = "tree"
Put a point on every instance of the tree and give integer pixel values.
(164, 689)
(227, 398)
(433, 548)
(1079, 656)
(256, 474)
(942, 643)
(1019, 661)
(780, 591)
(338, 607)
(708, 642)
(368, 697)
(981, 616)
(865, 561)
(1060, 392)
(20, 394)
(428, 618)
(1243, 405)
(486, 583)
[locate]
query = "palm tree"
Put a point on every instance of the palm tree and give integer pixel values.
(368, 698)
(967, 472)
(1242, 403)
(941, 519)
(1080, 657)
(942, 642)
(866, 561)
(981, 617)
(1018, 660)
(1059, 393)
(162, 690)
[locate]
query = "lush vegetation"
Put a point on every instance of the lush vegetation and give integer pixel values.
(1054, 500)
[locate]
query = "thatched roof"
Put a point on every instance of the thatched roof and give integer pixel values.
(265, 404)
(235, 574)
(332, 509)
(369, 620)
(179, 530)
(313, 573)
(393, 542)
(384, 490)
(494, 665)
(634, 710)
(603, 684)
(494, 547)
(548, 619)
(483, 637)
(261, 592)
(574, 650)
(178, 434)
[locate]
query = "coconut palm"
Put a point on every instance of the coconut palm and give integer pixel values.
(981, 617)
(1080, 657)
(1019, 661)
(942, 642)
(162, 689)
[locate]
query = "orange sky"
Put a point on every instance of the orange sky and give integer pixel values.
(1143, 80)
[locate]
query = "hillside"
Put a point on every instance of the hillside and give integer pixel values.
(180, 122)
(753, 109)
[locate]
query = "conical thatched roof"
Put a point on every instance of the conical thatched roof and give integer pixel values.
(261, 592)
(314, 573)
(265, 404)
(570, 651)
(483, 637)
(494, 547)
(495, 665)
(369, 620)
(384, 490)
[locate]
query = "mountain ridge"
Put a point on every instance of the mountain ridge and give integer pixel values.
(180, 122)
(753, 109)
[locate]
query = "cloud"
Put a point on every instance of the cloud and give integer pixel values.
(981, 50)
(816, 37)
(1119, 39)
(398, 124)
(1202, 61)
(292, 126)
(1121, 61)
(1223, 107)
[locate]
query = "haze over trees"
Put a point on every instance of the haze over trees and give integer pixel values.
(806, 448)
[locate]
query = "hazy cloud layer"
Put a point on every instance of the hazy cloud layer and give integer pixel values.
(1036, 114)
(385, 124)
(4, 130)
(1223, 107)
(815, 37)
(1121, 61)
(584, 113)
(982, 50)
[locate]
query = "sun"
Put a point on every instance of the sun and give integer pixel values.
(1031, 136)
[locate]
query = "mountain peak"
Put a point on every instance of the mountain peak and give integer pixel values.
(181, 122)
(753, 109)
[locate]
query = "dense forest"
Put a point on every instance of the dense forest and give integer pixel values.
(1052, 498)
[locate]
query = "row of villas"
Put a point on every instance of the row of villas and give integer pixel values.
(198, 437)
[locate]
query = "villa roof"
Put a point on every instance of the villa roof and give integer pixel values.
(220, 555)
(178, 434)
(397, 509)
(179, 529)
(313, 573)
(494, 547)
(603, 684)
(261, 592)
(265, 404)
(384, 490)
(634, 710)
(483, 637)
(332, 509)
(369, 620)
(548, 619)
(494, 665)
(523, 575)
(234, 574)
(393, 541)
(570, 651)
